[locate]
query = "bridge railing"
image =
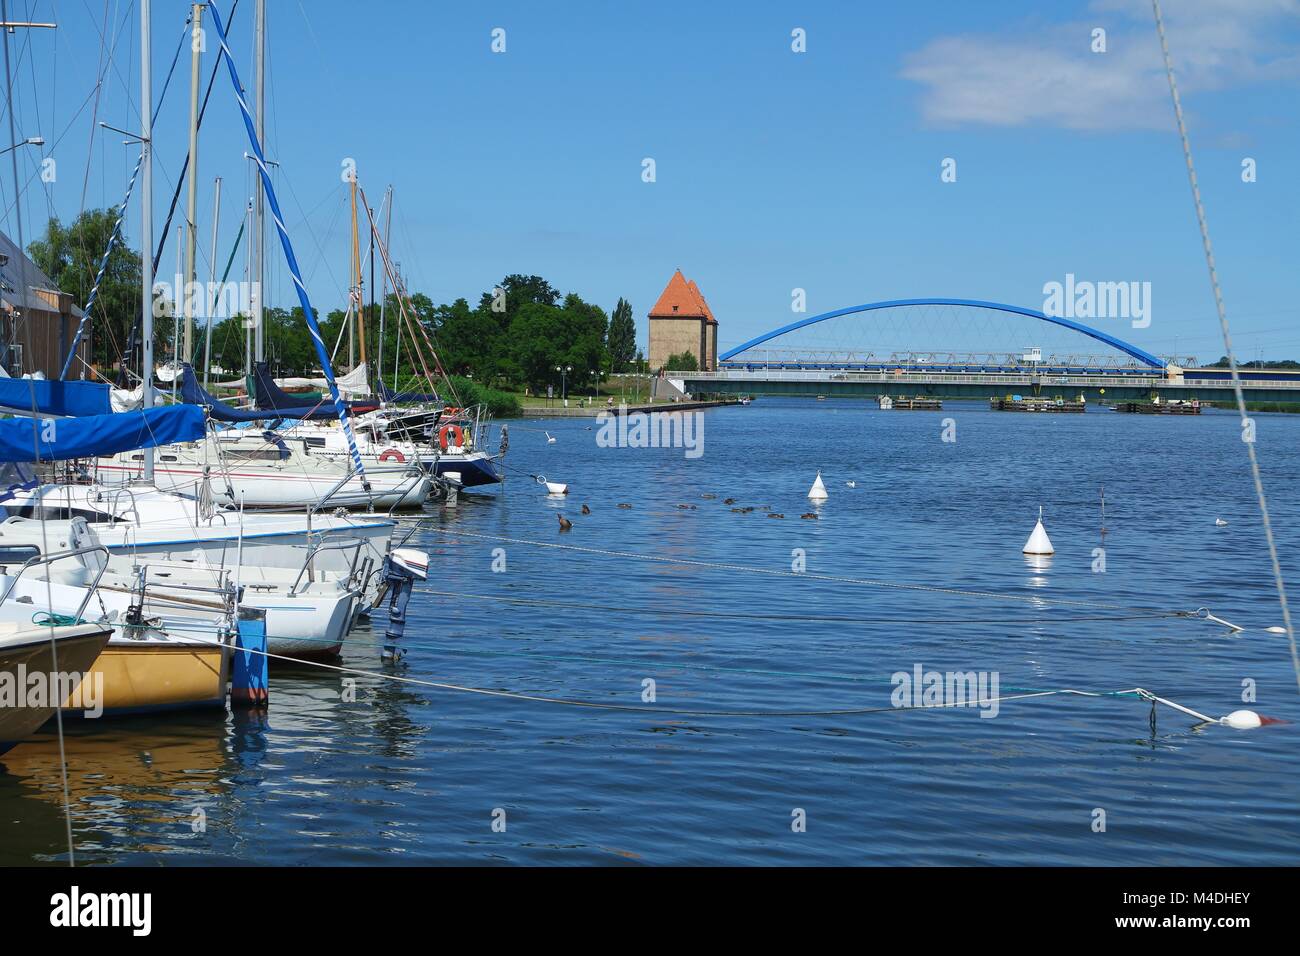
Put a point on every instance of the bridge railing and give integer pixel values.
(962, 378)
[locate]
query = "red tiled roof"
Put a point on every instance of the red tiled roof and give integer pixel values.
(708, 313)
(681, 299)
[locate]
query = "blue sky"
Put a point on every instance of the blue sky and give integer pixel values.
(775, 169)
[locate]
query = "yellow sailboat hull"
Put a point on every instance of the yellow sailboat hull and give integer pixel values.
(154, 675)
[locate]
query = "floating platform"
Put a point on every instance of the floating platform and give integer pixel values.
(1177, 407)
(1016, 403)
(917, 404)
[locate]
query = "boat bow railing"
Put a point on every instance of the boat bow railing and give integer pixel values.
(354, 581)
(39, 559)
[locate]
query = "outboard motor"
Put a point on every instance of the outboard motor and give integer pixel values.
(402, 568)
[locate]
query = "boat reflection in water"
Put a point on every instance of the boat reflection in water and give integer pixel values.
(155, 787)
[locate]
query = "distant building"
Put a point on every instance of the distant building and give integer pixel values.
(681, 321)
(37, 321)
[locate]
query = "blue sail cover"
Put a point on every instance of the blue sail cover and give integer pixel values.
(60, 439)
(54, 397)
(192, 393)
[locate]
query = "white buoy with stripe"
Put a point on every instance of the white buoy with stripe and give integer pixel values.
(818, 491)
(1039, 542)
(1242, 720)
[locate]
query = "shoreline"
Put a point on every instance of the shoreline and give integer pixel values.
(593, 411)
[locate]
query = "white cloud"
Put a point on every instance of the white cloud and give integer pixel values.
(1048, 74)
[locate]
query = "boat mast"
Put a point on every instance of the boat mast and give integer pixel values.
(146, 219)
(248, 323)
(19, 309)
(371, 214)
(176, 304)
(215, 297)
(358, 299)
(258, 236)
(192, 198)
(388, 222)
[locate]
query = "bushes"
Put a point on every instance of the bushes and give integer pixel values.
(499, 404)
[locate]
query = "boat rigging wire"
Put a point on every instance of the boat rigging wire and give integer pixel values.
(1246, 423)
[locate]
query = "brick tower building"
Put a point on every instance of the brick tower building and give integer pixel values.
(681, 321)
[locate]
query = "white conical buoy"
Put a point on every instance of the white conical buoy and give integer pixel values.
(1219, 522)
(1039, 542)
(1242, 720)
(818, 491)
(552, 487)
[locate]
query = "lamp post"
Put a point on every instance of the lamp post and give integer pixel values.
(564, 371)
(29, 141)
(16, 312)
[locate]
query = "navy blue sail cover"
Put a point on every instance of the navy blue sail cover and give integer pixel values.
(268, 395)
(60, 439)
(388, 395)
(192, 393)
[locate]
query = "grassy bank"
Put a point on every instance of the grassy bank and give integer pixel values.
(1292, 408)
(499, 404)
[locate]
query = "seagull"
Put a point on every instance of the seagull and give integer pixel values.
(550, 439)
(1219, 522)
(851, 484)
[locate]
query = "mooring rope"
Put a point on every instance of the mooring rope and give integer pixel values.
(670, 711)
(1136, 692)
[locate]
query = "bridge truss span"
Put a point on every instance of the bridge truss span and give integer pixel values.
(964, 336)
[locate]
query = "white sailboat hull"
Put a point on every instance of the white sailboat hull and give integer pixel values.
(274, 487)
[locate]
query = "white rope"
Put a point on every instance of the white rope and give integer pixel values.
(679, 712)
(1227, 343)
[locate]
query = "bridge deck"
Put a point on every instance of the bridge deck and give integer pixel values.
(1214, 386)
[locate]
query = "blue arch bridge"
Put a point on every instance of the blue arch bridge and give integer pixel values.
(1122, 372)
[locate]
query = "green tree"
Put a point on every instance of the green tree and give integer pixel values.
(70, 256)
(622, 337)
(682, 362)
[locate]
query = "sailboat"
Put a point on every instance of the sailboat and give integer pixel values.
(308, 612)
(27, 649)
(264, 470)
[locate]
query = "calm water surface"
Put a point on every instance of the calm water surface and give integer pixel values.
(409, 774)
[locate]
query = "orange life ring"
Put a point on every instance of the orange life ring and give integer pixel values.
(391, 454)
(457, 436)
